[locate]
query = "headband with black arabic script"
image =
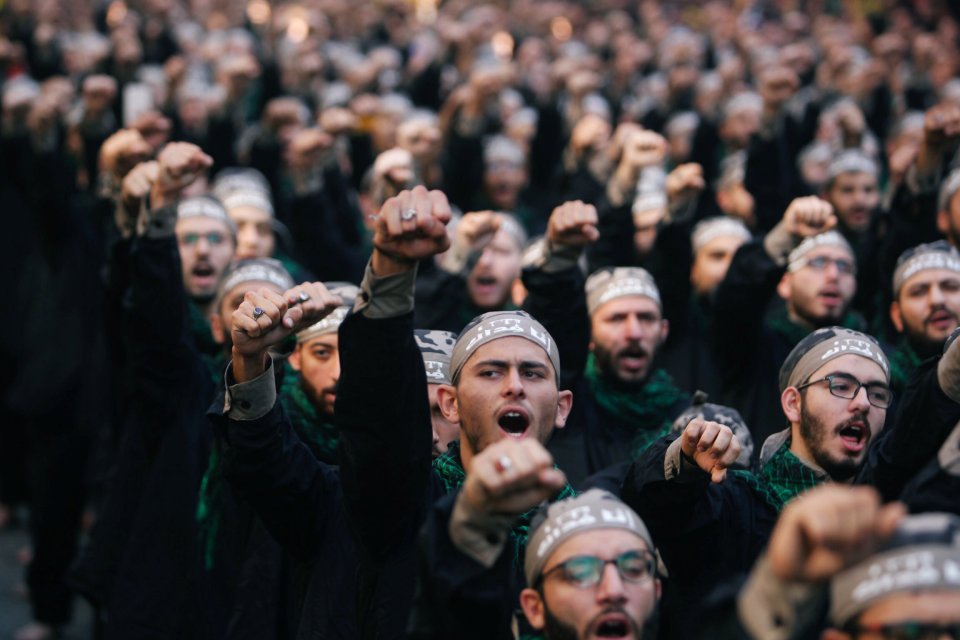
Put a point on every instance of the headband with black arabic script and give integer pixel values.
(501, 324)
(824, 345)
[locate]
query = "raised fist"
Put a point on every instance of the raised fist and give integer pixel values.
(941, 125)
(179, 164)
(266, 318)
(510, 477)
(829, 528)
(711, 445)
(137, 185)
(410, 227)
(308, 148)
(809, 216)
(573, 224)
(684, 182)
(643, 149)
(122, 151)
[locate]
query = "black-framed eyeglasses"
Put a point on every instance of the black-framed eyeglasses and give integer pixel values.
(909, 630)
(587, 571)
(847, 387)
(820, 263)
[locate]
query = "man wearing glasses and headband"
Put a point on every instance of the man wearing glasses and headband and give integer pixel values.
(710, 522)
(812, 269)
(591, 568)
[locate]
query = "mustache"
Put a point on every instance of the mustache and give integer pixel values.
(940, 309)
(633, 352)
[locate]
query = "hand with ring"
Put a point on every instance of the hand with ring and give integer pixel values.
(509, 477)
(410, 227)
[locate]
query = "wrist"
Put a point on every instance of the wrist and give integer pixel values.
(386, 264)
(248, 367)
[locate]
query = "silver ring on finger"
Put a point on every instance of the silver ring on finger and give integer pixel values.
(303, 297)
(503, 464)
(258, 313)
(408, 214)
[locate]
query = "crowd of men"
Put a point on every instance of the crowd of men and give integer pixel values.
(522, 319)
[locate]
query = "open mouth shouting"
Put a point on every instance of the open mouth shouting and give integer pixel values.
(513, 422)
(854, 435)
(614, 624)
(204, 275)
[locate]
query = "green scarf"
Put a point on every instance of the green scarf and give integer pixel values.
(317, 433)
(903, 362)
(449, 469)
(648, 409)
(779, 320)
(320, 436)
(782, 478)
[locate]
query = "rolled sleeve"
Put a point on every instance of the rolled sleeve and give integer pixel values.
(251, 400)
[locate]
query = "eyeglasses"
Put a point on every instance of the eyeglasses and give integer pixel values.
(910, 630)
(214, 238)
(587, 571)
(820, 263)
(847, 387)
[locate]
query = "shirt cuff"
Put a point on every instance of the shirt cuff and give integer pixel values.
(677, 466)
(385, 296)
(778, 244)
(542, 256)
(771, 608)
(157, 223)
(480, 538)
(251, 400)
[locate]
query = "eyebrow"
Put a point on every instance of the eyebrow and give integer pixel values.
(503, 364)
(850, 375)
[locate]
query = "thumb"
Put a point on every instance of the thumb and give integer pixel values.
(718, 474)
(591, 233)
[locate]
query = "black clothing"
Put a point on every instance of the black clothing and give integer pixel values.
(152, 498)
(595, 437)
(752, 343)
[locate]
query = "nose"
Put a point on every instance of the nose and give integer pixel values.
(513, 383)
(611, 589)
(486, 257)
(860, 400)
(633, 328)
(247, 237)
(936, 295)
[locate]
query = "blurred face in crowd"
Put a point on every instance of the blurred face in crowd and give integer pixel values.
(444, 431)
(854, 197)
(254, 232)
(318, 361)
(711, 262)
(626, 333)
(831, 431)
(616, 607)
(506, 389)
(490, 282)
(905, 615)
(927, 309)
(206, 248)
(820, 292)
(503, 181)
(645, 226)
(739, 125)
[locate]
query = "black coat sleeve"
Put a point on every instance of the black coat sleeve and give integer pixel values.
(924, 418)
(294, 494)
(386, 433)
(739, 307)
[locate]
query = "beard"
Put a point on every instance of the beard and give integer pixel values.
(607, 364)
(815, 433)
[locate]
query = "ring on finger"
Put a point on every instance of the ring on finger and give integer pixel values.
(258, 313)
(503, 464)
(408, 214)
(303, 297)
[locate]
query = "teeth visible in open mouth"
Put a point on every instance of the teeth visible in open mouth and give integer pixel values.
(852, 431)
